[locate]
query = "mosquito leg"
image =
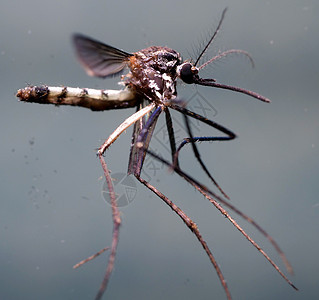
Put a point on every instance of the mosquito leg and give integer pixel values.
(229, 136)
(225, 213)
(115, 211)
(116, 227)
(197, 155)
(144, 137)
(127, 123)
(206, 192)
(193, 227)
(82, 262)
(171, 135)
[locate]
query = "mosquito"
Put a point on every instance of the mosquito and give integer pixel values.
(150, 87)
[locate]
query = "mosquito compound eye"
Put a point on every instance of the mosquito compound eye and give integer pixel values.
(187, 72)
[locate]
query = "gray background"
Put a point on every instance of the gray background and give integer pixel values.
(52, 214)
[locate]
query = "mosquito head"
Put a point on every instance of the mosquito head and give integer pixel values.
(187, 72)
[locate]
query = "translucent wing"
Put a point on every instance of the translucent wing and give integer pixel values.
(99, 59)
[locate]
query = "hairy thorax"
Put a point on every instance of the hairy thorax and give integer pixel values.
(153, 73)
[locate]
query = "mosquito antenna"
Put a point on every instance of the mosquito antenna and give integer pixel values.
(212, 38)
(225, 53)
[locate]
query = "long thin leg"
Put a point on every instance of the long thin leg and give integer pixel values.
(197, 155)
(142, 138)
(115, 211)
(82, 262)
(171, 135)
(229, 136)
(193, 227)
(127, 123)
(206, 192)
(116, 228)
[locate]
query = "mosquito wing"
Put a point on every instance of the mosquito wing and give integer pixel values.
(99, 59)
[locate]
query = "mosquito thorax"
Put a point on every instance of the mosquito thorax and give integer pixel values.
(187, 72)
(161, 59)
(153, 72)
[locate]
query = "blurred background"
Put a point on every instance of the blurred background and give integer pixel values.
(52, 211)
